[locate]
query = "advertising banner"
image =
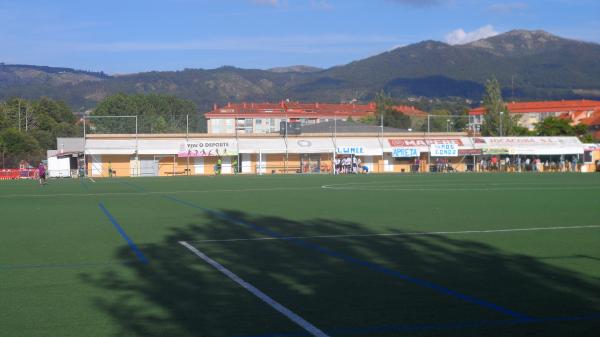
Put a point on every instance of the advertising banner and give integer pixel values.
(404, 152)
(424, 142)
(527, 141)
(355, 150)
(208, 148)
(469, 152)
(495, 151)
(444, 150)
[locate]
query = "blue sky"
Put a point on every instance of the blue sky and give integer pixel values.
(142, 35)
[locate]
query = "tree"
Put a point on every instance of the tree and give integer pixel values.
(497, 119)
(29, 128)
(16, 145)
(391, 117)
(156, 113)
(438, 120)
(554, 126)
(522, 131)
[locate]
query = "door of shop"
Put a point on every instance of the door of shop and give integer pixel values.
(310, 163)
(148, 166)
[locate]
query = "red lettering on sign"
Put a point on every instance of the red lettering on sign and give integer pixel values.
(408, 142)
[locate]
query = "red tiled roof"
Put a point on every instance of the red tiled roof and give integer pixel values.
(410, 110)
(291, 110)
(594, 119)
(547, 106)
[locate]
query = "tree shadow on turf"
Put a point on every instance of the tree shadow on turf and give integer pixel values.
(178, 294)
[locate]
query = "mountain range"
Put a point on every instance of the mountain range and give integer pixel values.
(532, 65)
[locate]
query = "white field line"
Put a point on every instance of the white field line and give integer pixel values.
(156, 192)
(336, 236)
(442, 188)
(313, 330)
(457, 185)
(330, 187)
(437, 184)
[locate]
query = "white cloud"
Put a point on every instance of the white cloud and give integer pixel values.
(459, 36)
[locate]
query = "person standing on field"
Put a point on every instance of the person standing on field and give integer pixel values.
(219, 165)
(42, 174)
(235, 165)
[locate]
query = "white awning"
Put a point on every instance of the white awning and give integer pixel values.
(531, 145)
(110, 146)
(310, 145)
(546, 150)
(271, 145)
(158, 146)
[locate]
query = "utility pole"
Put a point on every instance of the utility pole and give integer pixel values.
(19, 105)
(26, 118)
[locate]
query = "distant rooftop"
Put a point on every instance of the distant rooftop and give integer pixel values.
(410, 111)
(347, 127)
(291, 110)
(546, 106)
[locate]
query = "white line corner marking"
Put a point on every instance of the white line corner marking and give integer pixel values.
(313, 330)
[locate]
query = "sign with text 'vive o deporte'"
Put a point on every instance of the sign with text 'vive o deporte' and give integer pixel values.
(444, 150)
(356, 150)
(405, 152)
(209, 148)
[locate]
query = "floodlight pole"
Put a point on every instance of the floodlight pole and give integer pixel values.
(19, 105)
(334, 141)
(187, 140)
(501, 117)
(260, 162)
(137, 159)
(428, 124)
(285, 162)
(237, 143)
(84, 146)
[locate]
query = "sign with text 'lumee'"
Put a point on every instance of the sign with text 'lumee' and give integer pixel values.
(444, 150)
(355, 150)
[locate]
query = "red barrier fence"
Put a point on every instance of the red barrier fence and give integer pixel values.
(7, 174)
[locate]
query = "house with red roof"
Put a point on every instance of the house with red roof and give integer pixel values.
(593, 123)
(267, 117)
(531, 113)
(410, 111)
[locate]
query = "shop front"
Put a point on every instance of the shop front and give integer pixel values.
(423, 154)
(536, 154)
(159, 155)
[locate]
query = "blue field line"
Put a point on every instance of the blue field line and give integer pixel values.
(131, 244)
(436, 326)
(352, 260)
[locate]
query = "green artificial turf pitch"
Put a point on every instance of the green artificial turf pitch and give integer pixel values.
(388, 255)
